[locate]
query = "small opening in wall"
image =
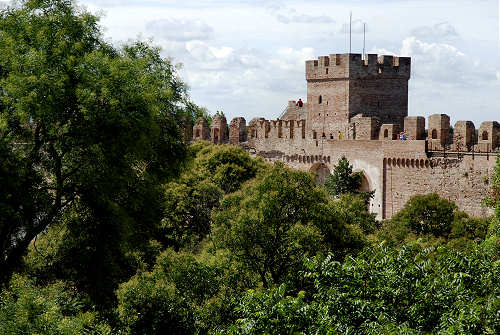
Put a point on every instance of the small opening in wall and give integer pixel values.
(386, 133)
(485, 135)
(316, 143)
(319, 114)
(320, 99)
(314, 135)
(326, 70)
(331, 136)
(434, 134)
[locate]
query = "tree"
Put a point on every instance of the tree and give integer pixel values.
(427, 214)
(26, 308)
(273, 221)
(381, 291)
(182, 294)
(190, 199)
(89, 129)
(343, 181)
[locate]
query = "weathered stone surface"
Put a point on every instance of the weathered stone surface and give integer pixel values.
(356, 108)
(201, 131)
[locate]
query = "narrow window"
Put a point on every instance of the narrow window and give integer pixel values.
(485, 135)
(314, 135)
(326, 70)
(434, 134)
(386, 133)
(320, 99)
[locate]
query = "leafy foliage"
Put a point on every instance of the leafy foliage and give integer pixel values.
(189, 200)
(272, 222)
(127, 231)
(89, 131)
(427, 214)
(183, 294)
(344, 181)
(383, 290)
(53, 309)
(352, 209)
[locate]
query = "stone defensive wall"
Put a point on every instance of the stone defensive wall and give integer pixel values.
(353, 66)
(456, 163)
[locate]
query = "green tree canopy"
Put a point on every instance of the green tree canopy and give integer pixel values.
(427, 214)
(344, 181)
(86, 127)
(189, 200)
(273, 221)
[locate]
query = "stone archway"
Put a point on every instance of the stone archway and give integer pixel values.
(321, 171)
(365, 183)
(366, 186)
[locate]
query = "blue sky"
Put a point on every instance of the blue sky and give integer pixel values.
(247, 57)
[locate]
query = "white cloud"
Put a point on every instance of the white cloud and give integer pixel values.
(357, 27)
(444, 63)
(288, 15)
(289, 59)
(439, 31)
(174, 29)
(441, 63)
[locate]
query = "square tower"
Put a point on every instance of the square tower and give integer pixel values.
(341, 86)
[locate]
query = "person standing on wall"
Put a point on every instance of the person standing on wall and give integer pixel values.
(300, 103)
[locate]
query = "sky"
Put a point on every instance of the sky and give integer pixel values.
(247, 57)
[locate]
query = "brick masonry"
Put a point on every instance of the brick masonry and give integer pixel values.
(357, 108)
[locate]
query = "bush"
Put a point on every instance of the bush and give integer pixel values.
(382, 290)
(427, 214)
(212, 172)
(352, 209)
(276, 219)
(53, 309)
(183, 294)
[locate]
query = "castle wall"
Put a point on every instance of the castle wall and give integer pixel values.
(356, 108)
(395, 169)
(331, 115)
(384, 98)
(340, 87)
(462, 180)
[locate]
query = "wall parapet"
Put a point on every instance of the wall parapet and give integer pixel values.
(353, 66)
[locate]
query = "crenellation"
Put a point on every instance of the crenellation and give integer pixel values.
(438, 134)
(343, 66)
(388, 132)
(464, 136)
(237, 131)
(488, 136)
(414, 127)
(358, 108)
(201, 131)
(219, 130)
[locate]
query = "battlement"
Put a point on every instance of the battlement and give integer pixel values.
(352, 66)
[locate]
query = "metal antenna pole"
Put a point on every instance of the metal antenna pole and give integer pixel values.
(350, 33)
(364, 39)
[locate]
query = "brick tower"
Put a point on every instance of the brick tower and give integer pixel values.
(341, 86)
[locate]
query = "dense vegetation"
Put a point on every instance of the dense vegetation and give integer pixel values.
(110, 224)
